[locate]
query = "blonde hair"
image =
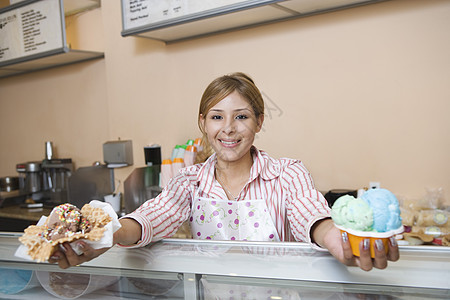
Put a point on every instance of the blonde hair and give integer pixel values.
(220, 88)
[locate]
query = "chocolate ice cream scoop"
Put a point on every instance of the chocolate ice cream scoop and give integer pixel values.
(65, 220)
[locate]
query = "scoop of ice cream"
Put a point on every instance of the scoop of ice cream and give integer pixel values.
(65, 220)
(386, 210)
(352, 213)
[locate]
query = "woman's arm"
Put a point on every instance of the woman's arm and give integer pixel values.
(153, 220)
(129, 234)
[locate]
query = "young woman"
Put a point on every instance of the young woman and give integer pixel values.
(239, 192)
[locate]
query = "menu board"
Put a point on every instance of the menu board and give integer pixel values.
(31, 29)
(138, 13)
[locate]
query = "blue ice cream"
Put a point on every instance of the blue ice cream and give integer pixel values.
(13, 281)
(386, 209)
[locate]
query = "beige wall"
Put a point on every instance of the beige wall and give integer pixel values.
(358, 95)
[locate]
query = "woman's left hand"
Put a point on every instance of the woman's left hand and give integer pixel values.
(68, 258)
(328, 236)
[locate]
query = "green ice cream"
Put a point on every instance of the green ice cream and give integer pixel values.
(352, 213)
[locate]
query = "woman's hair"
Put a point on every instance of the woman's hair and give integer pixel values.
(220, 88)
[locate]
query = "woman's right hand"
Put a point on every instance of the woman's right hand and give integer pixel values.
(68, 258)
(128, 234)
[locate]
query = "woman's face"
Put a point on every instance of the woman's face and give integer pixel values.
(230, 127)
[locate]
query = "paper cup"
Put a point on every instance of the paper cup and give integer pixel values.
(114, 201)
(14, 281)
(72, 285)
(355, 237)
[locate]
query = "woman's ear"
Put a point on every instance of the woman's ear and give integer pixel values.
(260, 121)
(201, 122)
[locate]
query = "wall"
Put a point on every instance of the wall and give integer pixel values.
(358, 95)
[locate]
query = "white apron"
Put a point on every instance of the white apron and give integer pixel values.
(245, 220)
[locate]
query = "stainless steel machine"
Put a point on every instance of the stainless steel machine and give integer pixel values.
(90, 183)
(45, 181)
(142, 184)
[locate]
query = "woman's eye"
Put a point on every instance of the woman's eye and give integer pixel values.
(216, 117)
(241, 117)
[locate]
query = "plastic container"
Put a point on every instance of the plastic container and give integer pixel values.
(355, 237)
(166, 172)
(151, 288)
(189, 155)
(177, 164)
(14, 281)
(72, 285)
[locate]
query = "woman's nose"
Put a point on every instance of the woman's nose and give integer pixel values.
(229, 126)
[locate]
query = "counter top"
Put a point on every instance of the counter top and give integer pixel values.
(30, 214)
(419, 266)
(423, 272)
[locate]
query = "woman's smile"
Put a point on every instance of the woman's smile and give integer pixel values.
(229, 143)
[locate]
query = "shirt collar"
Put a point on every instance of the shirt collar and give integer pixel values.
(205, 176)
(263, 165)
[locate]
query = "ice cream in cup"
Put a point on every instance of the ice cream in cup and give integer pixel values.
(374, 216)
(13, 281)
(72, 285)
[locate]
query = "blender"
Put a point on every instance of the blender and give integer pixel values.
(55, 175)
(46, 180)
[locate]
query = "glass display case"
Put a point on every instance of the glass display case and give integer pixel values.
(192, 269)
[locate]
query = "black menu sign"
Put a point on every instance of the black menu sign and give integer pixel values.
(32, 29)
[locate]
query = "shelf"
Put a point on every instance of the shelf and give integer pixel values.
(72, 7)
(35, 38)
(58, 58)
(175, 21)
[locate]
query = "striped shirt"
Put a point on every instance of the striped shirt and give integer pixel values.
(286, 185)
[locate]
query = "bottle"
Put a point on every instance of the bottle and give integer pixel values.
(189, 155)
(198, 144)
(177, 164)
(166, 172)
(180, 152)
(190, 142)
(175, 152)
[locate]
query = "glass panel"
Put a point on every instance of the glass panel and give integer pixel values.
(221, 287)
(21, 284)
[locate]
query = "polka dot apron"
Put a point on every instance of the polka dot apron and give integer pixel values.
(244, 220)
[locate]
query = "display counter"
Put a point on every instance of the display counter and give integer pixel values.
(192, 269)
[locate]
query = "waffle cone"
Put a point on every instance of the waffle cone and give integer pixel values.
(40, 249)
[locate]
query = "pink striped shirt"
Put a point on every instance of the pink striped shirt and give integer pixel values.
(286, 185)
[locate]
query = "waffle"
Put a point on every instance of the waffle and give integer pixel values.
(40, 249)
